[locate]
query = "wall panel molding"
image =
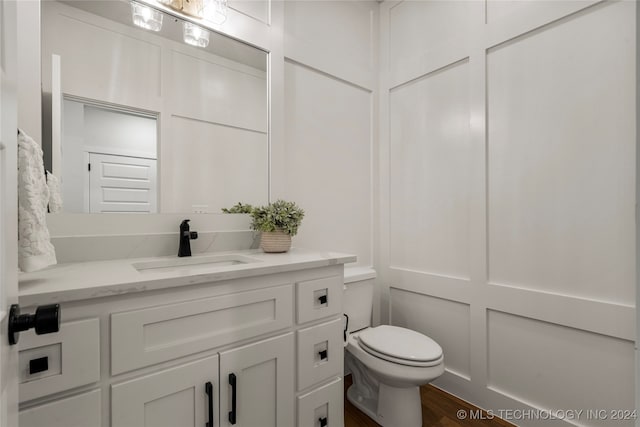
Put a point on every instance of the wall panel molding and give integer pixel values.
(348, 32)
(533, 16)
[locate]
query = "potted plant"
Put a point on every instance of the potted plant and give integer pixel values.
(277, 221)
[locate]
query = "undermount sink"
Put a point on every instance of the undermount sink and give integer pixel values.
(189, 264)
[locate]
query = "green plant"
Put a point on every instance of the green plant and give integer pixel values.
(238, 208)
(279, 215)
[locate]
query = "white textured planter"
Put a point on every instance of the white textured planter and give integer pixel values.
(275, 241)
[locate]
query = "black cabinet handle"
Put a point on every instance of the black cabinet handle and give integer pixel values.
(208, 388)
(322, 299)
(323, 421)
(323, 354)
(232, 383)
(346, 326)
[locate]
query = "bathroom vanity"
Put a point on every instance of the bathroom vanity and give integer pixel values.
(243, 338)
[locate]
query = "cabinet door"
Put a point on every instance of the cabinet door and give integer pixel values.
(263, 389)
(172, 397)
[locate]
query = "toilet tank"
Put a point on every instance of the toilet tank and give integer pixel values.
(358, 297)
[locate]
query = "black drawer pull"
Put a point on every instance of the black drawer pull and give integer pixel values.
(38, 365)
(322, 299)
(323, 354)
(323, 421)
(208, 387)
(232, 383)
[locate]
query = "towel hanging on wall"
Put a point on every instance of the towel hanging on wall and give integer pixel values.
(35, 250)
(55, 197)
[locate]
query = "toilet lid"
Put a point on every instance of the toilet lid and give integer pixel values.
(400, 345)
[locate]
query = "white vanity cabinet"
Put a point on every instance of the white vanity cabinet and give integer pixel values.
(253, 351)
(192, 394)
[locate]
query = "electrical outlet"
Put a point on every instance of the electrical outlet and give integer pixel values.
(198, 209)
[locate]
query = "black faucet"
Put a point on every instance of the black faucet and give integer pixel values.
(185, 238)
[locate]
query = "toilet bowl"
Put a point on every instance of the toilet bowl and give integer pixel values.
(388, 363)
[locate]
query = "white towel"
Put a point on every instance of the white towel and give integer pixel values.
(55, 197)
(35, 250)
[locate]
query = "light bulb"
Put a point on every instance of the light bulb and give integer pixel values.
(215, 11)
(146, 17)
(194, 35)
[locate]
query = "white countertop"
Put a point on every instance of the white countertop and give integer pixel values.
(86, 280)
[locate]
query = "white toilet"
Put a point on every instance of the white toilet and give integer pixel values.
(388, 363)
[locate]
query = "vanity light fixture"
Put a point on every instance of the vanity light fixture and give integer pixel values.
(215, 11)
(146, 17)
(173, 4)
(188, 7)
(194, 35)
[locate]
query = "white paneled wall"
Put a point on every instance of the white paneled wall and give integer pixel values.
(526, 356)
(507, 198)
(329, 93)
(429, 138)
(256, 9)
(561, 165)
(410, 308)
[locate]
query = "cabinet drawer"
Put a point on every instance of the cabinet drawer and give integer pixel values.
(320, 353)
(322, 407)
(319, 298)
(83, 410)
(152, 335)
(56, 362)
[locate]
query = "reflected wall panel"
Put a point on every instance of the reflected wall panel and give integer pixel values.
(129, 75)
(219, 91)
(219, 186)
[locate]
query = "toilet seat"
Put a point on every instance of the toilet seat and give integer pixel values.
(401, 345)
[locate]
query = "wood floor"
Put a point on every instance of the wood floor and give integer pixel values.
(439, 409)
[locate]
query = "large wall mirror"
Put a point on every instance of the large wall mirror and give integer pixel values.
(143, 121)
